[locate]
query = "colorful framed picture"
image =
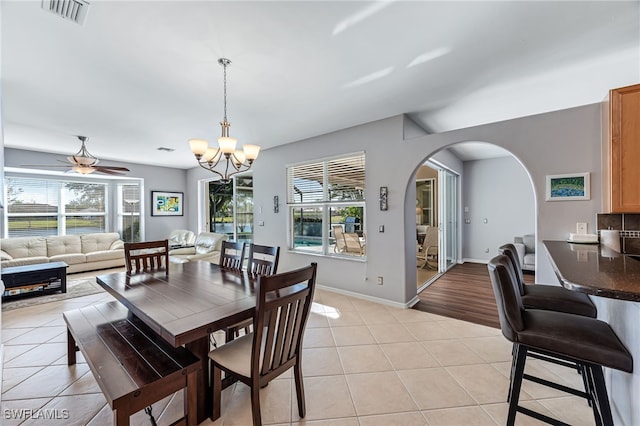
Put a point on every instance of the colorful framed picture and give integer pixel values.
(167, 203)
(569, 187)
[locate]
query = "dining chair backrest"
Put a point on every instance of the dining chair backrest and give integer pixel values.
(507, 295)
(147, 256)
(510, 251)
(232, 255)
(263, 260)
(283, 304)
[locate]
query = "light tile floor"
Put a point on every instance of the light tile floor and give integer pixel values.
(364, 364)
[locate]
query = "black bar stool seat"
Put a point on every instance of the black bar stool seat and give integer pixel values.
(576, 339)
(548, 297)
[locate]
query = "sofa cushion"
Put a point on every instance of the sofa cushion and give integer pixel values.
(208, 242)
(99, 241)
(25, 261)
(5, 256)
(69, 258)
(63, 244)
(25, 247)
(99, 256)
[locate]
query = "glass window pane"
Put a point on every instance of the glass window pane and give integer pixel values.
(349, 220)
(307, 228)
(305, 183)
(244, 210)
(221, 208)
(31, 226)
(84, 197)
(31, 196)
(84, 224)
(346, 178)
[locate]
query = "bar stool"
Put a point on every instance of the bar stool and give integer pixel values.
(548, 297)
(572, 338)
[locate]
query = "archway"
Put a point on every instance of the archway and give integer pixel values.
(495, 204)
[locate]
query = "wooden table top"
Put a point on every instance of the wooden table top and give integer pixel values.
(192, 301)
(594, 269)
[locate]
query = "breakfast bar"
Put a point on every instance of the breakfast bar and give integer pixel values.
(595, 270)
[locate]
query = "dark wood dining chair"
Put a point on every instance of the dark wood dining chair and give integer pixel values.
(283, 303)
(147, 256)
(232, 255)
(263, 260)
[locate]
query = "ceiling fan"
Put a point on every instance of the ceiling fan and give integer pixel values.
(84, 163)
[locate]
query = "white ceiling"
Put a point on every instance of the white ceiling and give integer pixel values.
(139, 75)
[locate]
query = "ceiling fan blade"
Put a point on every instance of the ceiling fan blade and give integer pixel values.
(42, 165)
(107, 171)
(120, 169)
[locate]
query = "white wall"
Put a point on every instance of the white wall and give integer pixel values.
(498, 190)
(155, 179)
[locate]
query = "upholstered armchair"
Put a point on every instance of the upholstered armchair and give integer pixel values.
(526, 248)
(181, 238)
(206, 247)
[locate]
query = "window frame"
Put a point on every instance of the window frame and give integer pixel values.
(326, 206)
(111, 213)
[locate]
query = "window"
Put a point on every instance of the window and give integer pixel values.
(41, 204)
(327, 206)
(42, 207)
(129, 202)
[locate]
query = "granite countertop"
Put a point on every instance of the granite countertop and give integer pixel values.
(594, 269)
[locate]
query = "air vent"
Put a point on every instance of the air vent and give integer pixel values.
(72, 10)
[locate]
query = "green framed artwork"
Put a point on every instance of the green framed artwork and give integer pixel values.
(568, 187)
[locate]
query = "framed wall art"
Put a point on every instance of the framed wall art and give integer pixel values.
(167, 203)
(568, 187)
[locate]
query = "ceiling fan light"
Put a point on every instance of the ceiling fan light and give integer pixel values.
(83, 161)
(83, 170)
(251, 151)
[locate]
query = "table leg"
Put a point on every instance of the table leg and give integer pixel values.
(200, 348)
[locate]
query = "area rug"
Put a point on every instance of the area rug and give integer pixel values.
(75, 288)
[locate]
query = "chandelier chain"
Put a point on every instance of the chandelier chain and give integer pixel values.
(224, 65)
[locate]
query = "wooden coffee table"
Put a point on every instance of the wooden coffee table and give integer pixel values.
(34, 280)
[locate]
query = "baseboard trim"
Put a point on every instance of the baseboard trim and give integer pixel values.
(374, 299)
(470, 260)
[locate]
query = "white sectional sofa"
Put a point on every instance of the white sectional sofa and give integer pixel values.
(85, 252)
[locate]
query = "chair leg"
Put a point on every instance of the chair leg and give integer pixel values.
(255, 404)
(216, 378)
(601, 407)
(514, 395)
(297, 373)
(511, 374)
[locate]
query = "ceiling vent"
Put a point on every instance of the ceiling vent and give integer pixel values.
(71, 10)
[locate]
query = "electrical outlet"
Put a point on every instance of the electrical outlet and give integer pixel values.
(380, 280)
(581, 228)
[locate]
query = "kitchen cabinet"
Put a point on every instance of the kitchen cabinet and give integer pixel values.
(621, 149)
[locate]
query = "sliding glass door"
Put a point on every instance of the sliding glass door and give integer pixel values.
(448, 206)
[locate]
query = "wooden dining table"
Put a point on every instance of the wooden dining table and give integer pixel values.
(185, 306)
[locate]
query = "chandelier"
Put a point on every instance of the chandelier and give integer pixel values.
(235, 160)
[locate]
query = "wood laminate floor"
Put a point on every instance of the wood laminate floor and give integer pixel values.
(464, 292)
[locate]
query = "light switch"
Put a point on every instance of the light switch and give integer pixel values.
(381, 228)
